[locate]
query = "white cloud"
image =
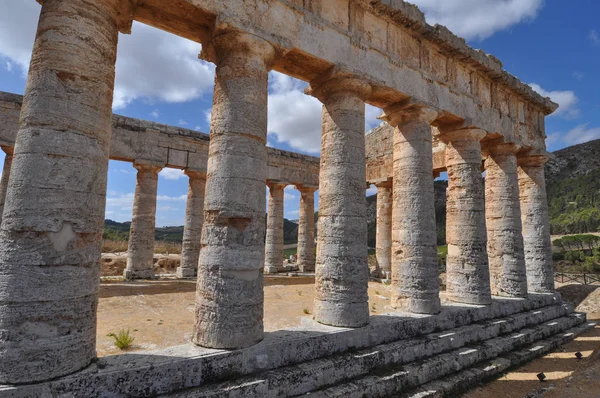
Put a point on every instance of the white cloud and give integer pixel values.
(151, 64)
(171, 174)
(155, 114)
(478, 19)
(594, 37)
(577, 135)
(567, 101)
(167, 198)
(371, 115)
(372, 190)
(9, 66)
(578, 75)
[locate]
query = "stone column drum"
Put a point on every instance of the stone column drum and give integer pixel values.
(383, 232)
(5, 176)
(274, 238)
(503, 221)
(415, 273)
(342, 273)
(192, 230)
(229, 295)
(306, 229)
(54, 212)
(140, 250)
(467, 271)
(536, 224)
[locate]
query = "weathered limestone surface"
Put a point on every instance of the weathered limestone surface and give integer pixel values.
(229, 295)
(341, 275)
(383, 232)
(140, 250)
(536, 224)
(5, 175)
(503, 222)
(171, 146)
(54, 211)
(306, 229)
(415, 282)
(274, 237)
(192, 230)
(467, 271)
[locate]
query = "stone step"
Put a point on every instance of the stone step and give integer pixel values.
(455, 384)
(311, 375)
(396, 379)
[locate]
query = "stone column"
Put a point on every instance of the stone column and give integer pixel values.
(383, 237)
(229, 296)
(342, 272)
(306, 229)
(5, 176)
(192, 230)
(274, 238)
(503, 221)
(536, 224)
(467, 271)
(54, 212)
(140, 251)
(415, 274)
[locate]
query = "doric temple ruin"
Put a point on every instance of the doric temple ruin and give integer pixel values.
(447, 108)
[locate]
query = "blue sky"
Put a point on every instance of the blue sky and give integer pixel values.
(553, 45)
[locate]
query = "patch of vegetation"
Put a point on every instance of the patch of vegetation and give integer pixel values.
(123, 339)
(306, 311)
(577, 254)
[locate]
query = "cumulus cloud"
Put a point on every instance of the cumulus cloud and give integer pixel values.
(594, 37)
(578, 135)
(478, 19)
(567, 101)
(152, 65)
(171, 174)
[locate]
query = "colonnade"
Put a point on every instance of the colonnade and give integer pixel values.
(54, 212)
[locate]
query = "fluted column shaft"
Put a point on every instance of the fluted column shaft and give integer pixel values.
(383, 231)
(503, 221)
(415, 275)
(342, 273)
(5, 176)
(467, 271)
(229, 295)
(140, 250)
(192, 229)
(536, 224)
(54, 211)
(306, 229)
(274, 237)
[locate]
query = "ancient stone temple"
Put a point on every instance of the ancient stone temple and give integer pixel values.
(447, 108)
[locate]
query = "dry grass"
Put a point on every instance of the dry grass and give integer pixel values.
(160, 247)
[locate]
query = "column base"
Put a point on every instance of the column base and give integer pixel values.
(419, 306)
(138, 274)
(269, 270)
(306, 267)
(348, 315)
(181, 273)
(472, 300)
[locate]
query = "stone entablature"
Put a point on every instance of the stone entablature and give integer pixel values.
(387, 43)
(135, 140)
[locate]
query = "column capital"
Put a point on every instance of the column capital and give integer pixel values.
(147, 166)
(467, 134)
(195, 174)
(384, 184)
(9, 150)
(504, 148)
(537, 160)
(232, 42)
(276, 185)
(407, 111)
(306, 188)
(337, 80)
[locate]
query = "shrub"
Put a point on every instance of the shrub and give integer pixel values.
(122, 339)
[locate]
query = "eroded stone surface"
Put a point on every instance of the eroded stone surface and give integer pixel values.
(5, 175)
(383, 238)
(306, 229)
(274, 238)
(54, 211)
(192, 230)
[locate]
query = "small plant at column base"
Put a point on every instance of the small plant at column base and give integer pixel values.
(123, 339)
(299, 292)
(306, 311)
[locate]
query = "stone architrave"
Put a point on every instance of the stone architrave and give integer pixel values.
(140, 250)
(229, 294)
(54, 211)
(467, 270)
(342, 273)
(415, 273)
(192, 229)
(503, 222)
(536, 224)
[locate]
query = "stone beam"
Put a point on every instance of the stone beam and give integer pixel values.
(174, 147)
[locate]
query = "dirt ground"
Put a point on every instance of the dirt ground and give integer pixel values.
(566, 376)
(161, 313)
